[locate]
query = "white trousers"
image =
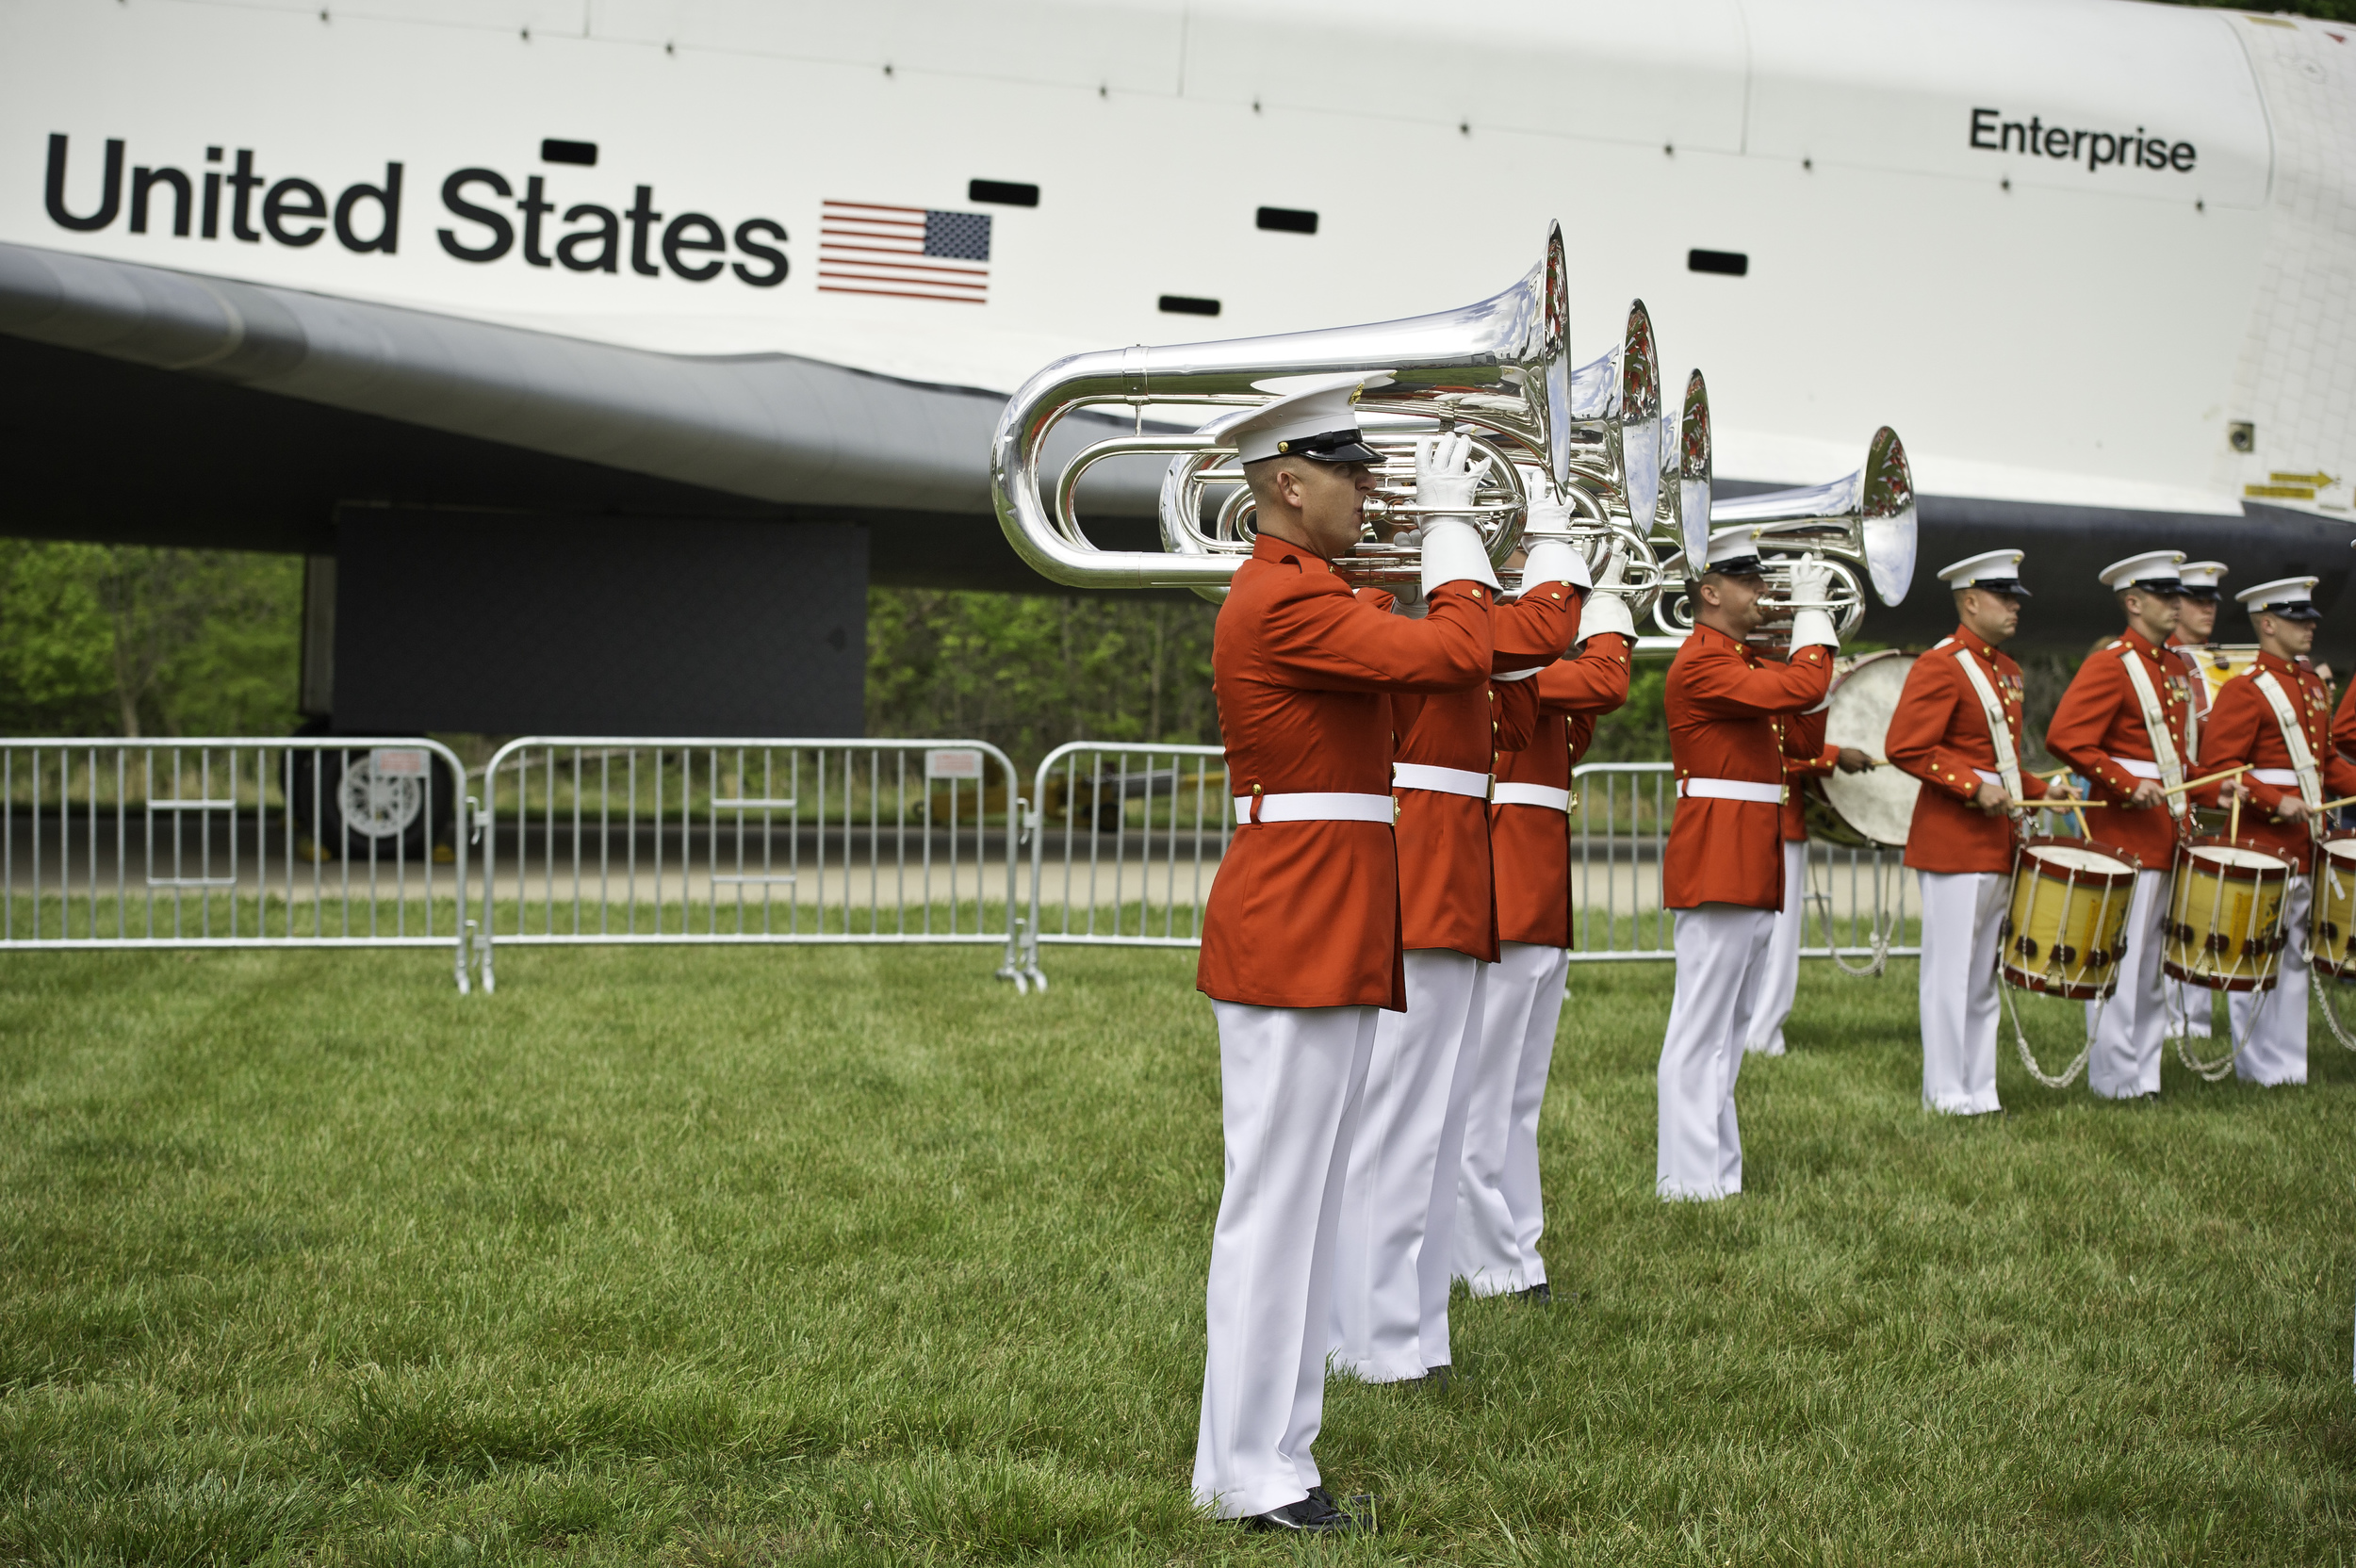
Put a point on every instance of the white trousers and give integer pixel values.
(2272, 1026)
(2125, 1061)
(1722, 955)
(1389, 1303)
(2188, 1005)
(1780, 982)
(1500, 1216)
(1963, 916)
(1290, 1079)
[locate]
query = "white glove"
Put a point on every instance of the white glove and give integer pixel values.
(1443, 477)
(1811, 581)
(1605, 613)
(1555, 561)
(1452, 552)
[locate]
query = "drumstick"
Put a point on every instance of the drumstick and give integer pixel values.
(2196, 783)
(2335, 804)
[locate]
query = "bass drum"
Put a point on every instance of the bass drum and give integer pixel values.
(1876, 807)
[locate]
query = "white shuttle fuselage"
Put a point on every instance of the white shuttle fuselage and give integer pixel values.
(2081, 253)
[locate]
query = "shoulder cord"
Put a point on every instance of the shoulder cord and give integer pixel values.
(2155, 726)
(2295, 740)
(1999, 727)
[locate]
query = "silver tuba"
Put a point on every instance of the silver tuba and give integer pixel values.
(1863, 522)
(1499, 371)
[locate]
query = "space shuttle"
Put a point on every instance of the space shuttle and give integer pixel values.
(598, 355)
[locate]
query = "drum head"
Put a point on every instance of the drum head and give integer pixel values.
(1879, 802)
(2229, 858)
(2062, 859)
(2343, 852)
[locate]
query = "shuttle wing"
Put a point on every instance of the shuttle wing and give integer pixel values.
(769, 427)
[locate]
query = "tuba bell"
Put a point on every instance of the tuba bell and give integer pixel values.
(1498, 370)
(1863, 522)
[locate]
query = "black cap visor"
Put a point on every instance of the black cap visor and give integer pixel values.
(2302, 612)
(1735, 566)
(2168, 585)
(1331, 445)
(2011, 587)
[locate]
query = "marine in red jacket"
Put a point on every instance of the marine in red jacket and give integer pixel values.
(2192, 640)
(2277, 717)
(1956, 728)
(1399, 1201)
(2122, 724)
(1500, 1216)
(1722, 868)
(1302, 940)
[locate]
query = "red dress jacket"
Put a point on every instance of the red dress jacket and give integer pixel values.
(1533, 844)
(1448, 896)
(2099, 722)
(1805, 756)
(1938, 734)
(1305, 914)
(1723, 699)
(2242, 728)
(2344, 720)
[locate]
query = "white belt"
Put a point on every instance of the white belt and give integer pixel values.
(1731, 788)
(1532, 794)
(2137, 768)
(1987, 777)
(1316, 805)
(2285, 778)
(1447, 781)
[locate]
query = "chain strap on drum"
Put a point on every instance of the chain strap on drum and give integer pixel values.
(2069, 1076)
(2208, 1071)
(2323, 984)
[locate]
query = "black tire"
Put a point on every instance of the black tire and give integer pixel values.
(346, 807)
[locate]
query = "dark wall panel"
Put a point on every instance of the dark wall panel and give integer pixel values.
(507, 624)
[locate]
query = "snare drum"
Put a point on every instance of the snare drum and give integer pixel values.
(2333, 944)
(2225, 916)
(2066, 929)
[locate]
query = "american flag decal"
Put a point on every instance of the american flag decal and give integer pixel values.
(902, 252)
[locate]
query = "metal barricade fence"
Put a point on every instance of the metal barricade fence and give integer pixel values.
(232, 842)
(1126, 841)
(1127, 823)
(618, 840)
(1858, 899)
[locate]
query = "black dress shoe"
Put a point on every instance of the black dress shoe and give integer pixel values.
(1539, 1295)
(1314, 1513)
(1435, 1379)
(1360, 1506)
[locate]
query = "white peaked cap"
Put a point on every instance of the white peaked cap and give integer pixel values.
(1992, 568)
(1731, 546)
(1311, 406)
(2202, 576)
(2290, 597)
(2153, 569)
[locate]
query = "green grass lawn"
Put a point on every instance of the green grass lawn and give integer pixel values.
(708, 1257)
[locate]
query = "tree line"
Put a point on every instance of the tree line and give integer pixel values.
(125, 640)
